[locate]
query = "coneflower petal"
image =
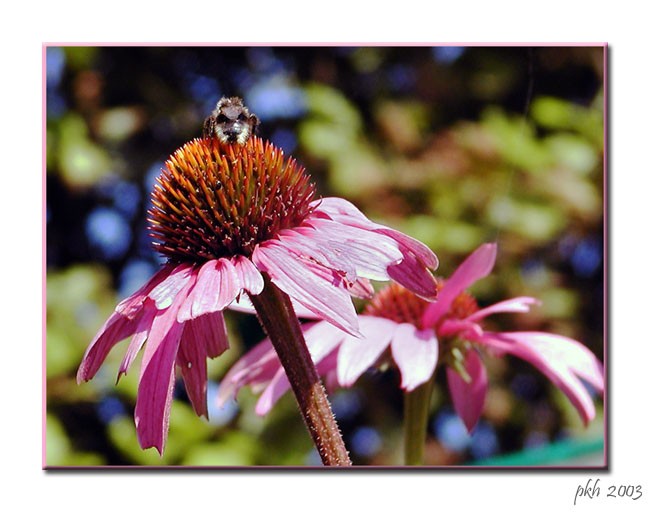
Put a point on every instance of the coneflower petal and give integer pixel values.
(416, 354)
(217, 285)
(317, 288)
(356, 355)
(469, 397)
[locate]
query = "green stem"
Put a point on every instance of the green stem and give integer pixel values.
(276, 315)
(416, 416)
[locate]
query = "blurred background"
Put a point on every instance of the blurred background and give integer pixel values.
(453, 145)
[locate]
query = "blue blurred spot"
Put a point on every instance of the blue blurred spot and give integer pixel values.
(451, 432)
(274, 98)
(135, 273)
(205, 90)
(525, 386)
(401, 77)
(531, 267)
(108, 232)
(110, 408)
(284, 139)
(152, 173)
(54, 66)
(263, 59)
(586, 257)
(346, 404)
(124, 195)
(484, 441)
(447, 54)
(219, 415)
(365, 441)
(56, 105)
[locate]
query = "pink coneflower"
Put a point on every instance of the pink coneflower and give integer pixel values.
(235, 219)
(416, 336)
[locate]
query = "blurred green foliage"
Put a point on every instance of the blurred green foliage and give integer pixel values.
(454, 152)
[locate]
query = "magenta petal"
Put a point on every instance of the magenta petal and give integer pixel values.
(370, 251)
(342, 211)
(317, 288)
(416, 354)
(361, 288)
(452, 327)
(410, 245)
(469, 397)
(256, 367)
(157, 381)
(114, 330)
(561, 359)
(157, 373)
(322, 340)
(277, 387)
(132, 304)
(165, 292)
(216, 286)
(516, 305)
(331, 253)
(243, 304)
(249, 277)
(414, 276)
(139, 337)
(476, 266)
(202, 338)
(356, 355)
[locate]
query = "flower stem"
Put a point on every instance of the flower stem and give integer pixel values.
(276, 314)
(416, 415)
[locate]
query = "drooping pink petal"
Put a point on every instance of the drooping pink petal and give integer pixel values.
(165, 292)
(157, 383)
(459, 327)
(414, 276)
(516, 305)
(273, 391)
(477, 265)
(321, 338)
(306, 240)
(139, 337)
(325, 364)
(412, 270)
(216, 286)
(317, 288)
(202, 338)
(561, 359)
(114, 330)
(407, 244)
(132, 304)
(346, 213)
(157, 374)
(469, 397)
(361, 288)
(416, 354)
(343, 211)
(370, 252)
(356, 355)
(249, 277)
(242, 304)
(255, 367)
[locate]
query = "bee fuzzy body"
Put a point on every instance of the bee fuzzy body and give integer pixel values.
(231, 122)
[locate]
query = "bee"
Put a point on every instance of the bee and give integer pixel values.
(230, 121)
